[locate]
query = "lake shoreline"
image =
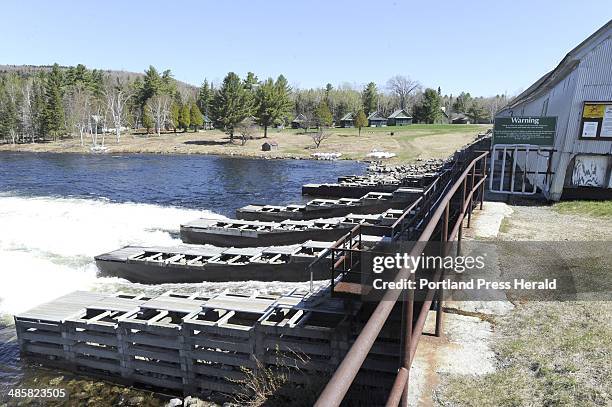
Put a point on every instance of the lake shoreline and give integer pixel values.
(179, 153)
(409, 143)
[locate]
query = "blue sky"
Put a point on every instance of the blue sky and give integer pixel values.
(484, 47)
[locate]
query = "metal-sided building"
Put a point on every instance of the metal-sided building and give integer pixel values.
(578, 92)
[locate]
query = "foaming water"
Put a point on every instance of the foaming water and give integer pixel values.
(47, 244)
(57, 211)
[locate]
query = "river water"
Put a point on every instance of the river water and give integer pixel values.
(57, 211)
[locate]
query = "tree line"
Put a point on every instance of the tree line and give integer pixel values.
(36, 105)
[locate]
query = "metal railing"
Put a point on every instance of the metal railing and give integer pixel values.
(471, 184)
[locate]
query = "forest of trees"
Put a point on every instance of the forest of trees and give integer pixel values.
(55, 102)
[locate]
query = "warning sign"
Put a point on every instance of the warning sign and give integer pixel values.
(539, 131)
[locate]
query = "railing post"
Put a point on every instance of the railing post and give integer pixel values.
(333, 266)
(443, 242)
(461, 216)
(407, 342)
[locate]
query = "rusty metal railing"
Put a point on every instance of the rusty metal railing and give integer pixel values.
(469, 182)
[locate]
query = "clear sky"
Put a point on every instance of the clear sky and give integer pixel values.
(484, 47)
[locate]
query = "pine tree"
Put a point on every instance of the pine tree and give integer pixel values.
(147, 120)
(185, 117)
(196, 117)
(232, 103)
(272, 102)
(429, 108)
(54, 108)
(323, 115)
(361, 120)
(175, 111)
(369, 98)
(205, 96)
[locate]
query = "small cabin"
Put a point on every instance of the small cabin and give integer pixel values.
(399, 118)
(299, 121)
(377, 120)
(460, 119)
(269, 145)
(208, 124)
(348, 120)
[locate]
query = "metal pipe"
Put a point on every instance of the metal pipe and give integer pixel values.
(399, 385)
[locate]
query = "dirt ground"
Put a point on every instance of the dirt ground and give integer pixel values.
(408, 143)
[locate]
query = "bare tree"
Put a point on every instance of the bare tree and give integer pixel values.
(27, 119)
(319, 136)
(159, 108)
(401, 87)
(247, 129)
(117, 95)
(78, 112)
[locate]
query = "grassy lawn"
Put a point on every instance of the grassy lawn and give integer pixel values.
(551, 354)
(592, 208)
(407, 142)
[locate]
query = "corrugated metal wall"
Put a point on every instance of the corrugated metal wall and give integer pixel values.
(591, 80)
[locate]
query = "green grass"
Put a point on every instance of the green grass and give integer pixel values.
(591, 208)
(551, 354)
(420, 129)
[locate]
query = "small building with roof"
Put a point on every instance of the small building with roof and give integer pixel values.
(348, 120)
(269, 145)
(399, 118)
(578, 93)
(375, 119)
(460, 118)
(207, 123)
(299, 121)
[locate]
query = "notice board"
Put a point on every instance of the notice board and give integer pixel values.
(596, 121)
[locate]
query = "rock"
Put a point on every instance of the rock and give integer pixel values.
(81, 396)
(56, 381)
(136, 401)
(174, 403)
(195, 402)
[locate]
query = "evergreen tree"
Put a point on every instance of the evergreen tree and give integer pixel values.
(361, 120)
(54, 107)
(196, 117)
(430, 106)
(477, 111)
(175, 112)
(231, 104)
(272, 102)
(462, 103)
(185, 117)
(205, 97)
(147, 120)
(8, 109)
(323, 116)
(369, 98)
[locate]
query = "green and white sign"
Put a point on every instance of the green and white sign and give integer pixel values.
(539, 131)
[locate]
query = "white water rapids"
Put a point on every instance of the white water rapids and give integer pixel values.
(47, 247)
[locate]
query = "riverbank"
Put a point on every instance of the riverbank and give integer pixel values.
(419, 141)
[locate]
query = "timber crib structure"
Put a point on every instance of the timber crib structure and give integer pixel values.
(210, 345)
(187, 344)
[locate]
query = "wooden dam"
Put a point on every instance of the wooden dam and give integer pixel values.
(330, 341)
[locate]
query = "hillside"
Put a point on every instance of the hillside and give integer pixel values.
(26, 70)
